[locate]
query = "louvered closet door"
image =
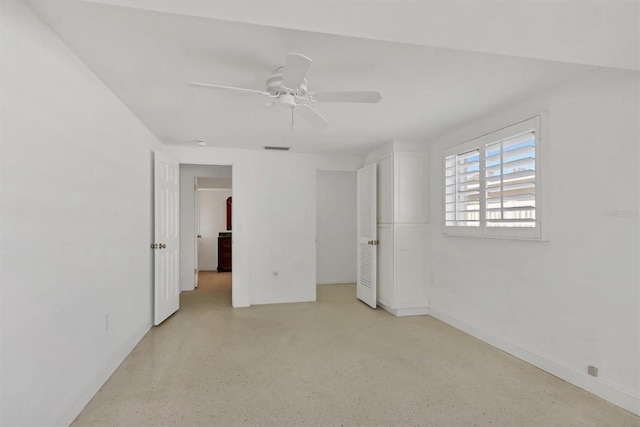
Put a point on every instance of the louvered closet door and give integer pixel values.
(367, 254)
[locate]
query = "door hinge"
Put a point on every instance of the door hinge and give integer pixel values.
(195, 271)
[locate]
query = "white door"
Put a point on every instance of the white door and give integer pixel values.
(166, 201)
(366, 284)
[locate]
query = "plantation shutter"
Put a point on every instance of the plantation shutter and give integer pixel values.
(510, 181)
(462, 189)
(492, 184)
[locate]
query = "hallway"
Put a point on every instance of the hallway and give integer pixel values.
(334, 362)
(214, 289)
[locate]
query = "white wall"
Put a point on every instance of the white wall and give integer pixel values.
(188, 174)
(571, 301)
(75, 226)
(213, 219)
(274, 219)
(336, 227)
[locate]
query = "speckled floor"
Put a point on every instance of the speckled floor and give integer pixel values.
(333, 362)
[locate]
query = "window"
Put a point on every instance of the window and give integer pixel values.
(492, 184)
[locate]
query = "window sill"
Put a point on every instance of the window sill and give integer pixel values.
(478, 235)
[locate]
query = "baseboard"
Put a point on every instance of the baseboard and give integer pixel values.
(401, 312)
(279, 299)
(336, 283)
(626, 399)
(101, 377)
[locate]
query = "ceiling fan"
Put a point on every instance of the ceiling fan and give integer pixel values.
(287, 87)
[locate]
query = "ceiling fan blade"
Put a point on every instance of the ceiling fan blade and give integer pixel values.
(312, 117)
(237, 89)
(368, 97)
(295, 68)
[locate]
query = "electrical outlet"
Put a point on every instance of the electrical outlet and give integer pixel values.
(592, 370)
(106, 322)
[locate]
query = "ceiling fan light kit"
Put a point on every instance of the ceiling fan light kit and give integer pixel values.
(287, 100)
(287, 87)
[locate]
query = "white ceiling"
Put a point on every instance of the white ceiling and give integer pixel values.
(147, 58)
(591, 32)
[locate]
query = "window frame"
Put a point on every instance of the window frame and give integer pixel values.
(480, 143)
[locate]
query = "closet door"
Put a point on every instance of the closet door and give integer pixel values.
(410, 187)
(367, 232)
(409, 256)
(385, 190)
(385, 265)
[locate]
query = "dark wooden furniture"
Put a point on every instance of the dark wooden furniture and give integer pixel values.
(224, 251)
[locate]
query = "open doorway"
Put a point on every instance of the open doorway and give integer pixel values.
(206, 212)
(213, 244)
(336, 234)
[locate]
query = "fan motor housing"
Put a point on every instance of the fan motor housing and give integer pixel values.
(287, 100)
(274, 85)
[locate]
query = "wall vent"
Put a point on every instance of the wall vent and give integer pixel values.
(275, 147)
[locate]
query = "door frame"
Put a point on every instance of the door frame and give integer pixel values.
(197, 235)
(240, 291)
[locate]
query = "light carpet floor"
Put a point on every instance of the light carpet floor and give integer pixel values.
(333, 362)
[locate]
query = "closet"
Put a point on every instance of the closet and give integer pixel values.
(402, 215)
